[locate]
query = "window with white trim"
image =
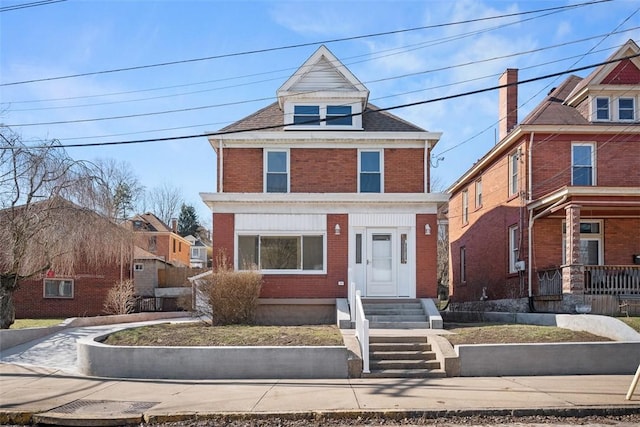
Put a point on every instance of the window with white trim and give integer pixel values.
(479, 193)
(323, 115)
(591, 251)
(583, 170)
(626, 109)
(138, 266)
(370, 166)
(513, 173)
(276, 171)
(58, 288)
(195, 252)
(465, 207)
(514, 246)
(602, 108)
(282, 253)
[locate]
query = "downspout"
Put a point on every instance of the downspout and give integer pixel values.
(529, 196)
(427, 169)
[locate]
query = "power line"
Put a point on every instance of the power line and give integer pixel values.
(411, 104)
(27, 5)
(299, 45)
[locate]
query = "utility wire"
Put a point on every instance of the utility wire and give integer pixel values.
(299, 45)
(411, 104)
(27, 5)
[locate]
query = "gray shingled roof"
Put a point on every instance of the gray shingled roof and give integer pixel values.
(271, 118)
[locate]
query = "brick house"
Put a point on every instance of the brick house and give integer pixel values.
(154, 236)
(321, 188)
(568, 177)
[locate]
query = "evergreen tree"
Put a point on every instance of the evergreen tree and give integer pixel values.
(188, 221)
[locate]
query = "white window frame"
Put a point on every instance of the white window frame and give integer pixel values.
(514, 248)
(265, 160)
(594, 174)
(598, 237)
(195, 252)
(138, 266)
(465, 206)
(514, 170)
(61, 288)
(478, 195)
(285, 234)
(596, 109)
(356, 114)
(633, 108)
(381, 152)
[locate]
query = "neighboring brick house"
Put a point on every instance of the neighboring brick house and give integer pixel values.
(154, 236)
(569, 176)
(321, 183)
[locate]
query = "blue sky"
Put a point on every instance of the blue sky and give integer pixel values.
(82, 36)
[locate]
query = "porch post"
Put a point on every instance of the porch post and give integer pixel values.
(573, 270)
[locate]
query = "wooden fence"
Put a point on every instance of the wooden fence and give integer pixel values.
(177, 277)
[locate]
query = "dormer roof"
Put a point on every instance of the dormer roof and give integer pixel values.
(323, 76)
(625, 72)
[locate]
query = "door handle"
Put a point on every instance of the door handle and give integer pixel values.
(368, 262)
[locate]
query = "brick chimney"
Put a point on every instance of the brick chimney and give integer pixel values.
(508, 102)
(174, 225)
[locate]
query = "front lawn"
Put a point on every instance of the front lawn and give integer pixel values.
(634, 322)
(199, 334)
(35, 323)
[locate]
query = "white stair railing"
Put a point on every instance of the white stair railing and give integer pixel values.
(351, 295)
(362, 330)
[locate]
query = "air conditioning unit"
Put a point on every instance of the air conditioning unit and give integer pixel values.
(519, 265)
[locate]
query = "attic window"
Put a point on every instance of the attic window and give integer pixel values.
(323, 115)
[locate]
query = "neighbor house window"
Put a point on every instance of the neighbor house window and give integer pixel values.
(583, 164)
(58, 288)
(138, 267)
(465, 207)
(626, 110)
(463, 264)
(513, 173)
(152, 244)
(174, 245)
(514, 246)
(602, 108)
(282, 253)
(590, 243)
(370, 176)
(478, 193)
(276, 171)
(195, 252)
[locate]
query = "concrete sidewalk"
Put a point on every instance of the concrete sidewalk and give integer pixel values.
(31, 394)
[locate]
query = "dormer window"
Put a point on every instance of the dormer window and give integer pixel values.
(327, 116)
(626, 110)
(602, 108)
(607, 109)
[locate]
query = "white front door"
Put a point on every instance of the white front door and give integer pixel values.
(381, 263)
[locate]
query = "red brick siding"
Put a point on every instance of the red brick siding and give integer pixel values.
(404, 170)
(89, 292)
(625, 73)
(621, 240)
(243, 170)
(316, 286)
(426, 258)
(615, 164)
(223, 236)
(323, 170)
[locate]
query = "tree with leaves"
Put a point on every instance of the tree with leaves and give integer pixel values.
(188, 221)
(41, 228)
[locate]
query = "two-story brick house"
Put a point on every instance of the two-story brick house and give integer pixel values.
(552, 212)
(154, 236)
(320, 184)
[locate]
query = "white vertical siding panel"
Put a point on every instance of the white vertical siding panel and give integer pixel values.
(382, 220)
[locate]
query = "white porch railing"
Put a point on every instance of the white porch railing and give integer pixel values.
(362, 330)
(351, 294)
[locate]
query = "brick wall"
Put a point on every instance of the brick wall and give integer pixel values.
(243, 170)
(90, 291)
(426, 258)
(223, 236)
(323, 170)
(404, 170)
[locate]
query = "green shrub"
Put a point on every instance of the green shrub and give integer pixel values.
(233, 295)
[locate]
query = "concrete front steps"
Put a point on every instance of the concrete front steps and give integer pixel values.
(395, 314)
(402, 357)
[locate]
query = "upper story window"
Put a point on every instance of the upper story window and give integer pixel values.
(479, 193)
(583, 171)
(513, 173)
(276, 169)
(334, 116)
(602, 108)
(626, 110)
(370, 171)
(465, 207)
